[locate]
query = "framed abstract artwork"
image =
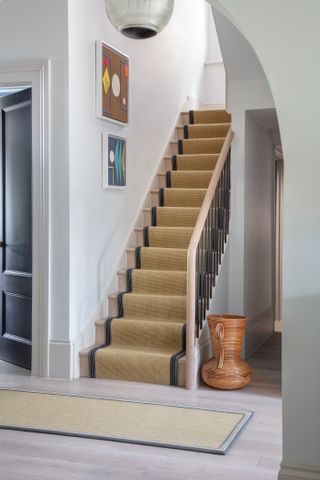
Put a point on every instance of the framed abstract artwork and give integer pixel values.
(114, 166)
(112, 72)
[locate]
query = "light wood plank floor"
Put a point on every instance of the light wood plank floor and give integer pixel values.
(255, 455)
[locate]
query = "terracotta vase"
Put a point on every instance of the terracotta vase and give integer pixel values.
(226, 371)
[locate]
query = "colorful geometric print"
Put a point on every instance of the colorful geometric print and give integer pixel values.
(116, 161)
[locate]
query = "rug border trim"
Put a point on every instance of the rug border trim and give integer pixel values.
(222, 450)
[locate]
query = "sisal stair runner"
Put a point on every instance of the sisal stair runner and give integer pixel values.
(147, 339)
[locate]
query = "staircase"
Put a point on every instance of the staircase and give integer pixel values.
(144, 338)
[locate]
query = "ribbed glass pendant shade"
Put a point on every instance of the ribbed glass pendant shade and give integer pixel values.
(139, 18)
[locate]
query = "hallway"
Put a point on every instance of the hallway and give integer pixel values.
(255, 455)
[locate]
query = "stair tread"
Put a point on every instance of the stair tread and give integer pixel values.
(184, 190)
(180, 208)
(190, 178)
(194, 155)
(164, 282)
(191, 173)
(167, 237)
(148, 351)
(155, 296)
(144, 320)
(203, 140)
(201, 145)
(165, 250)
(101, 321)
(178, 229)
(139, 271)
(84, 352)
(220, 124)
(114, 295)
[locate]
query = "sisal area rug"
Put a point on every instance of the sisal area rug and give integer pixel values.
(161, 425)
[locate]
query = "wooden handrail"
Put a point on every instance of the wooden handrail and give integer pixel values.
(191, 262)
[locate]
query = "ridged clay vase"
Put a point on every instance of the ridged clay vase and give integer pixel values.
(226, 371)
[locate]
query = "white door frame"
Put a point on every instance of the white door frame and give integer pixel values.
(36, 75)
(278, 238)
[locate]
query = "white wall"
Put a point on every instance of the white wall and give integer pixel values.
(28, 31)
(163, 72)
(213, 89)
(285, 36)
(258, 232)
(247, 90)
(215, 73)
(242, 95)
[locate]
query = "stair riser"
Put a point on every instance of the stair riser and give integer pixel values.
(184, 180)
(84, 366)
(146, 217)
(169, 311)
(178, 243)
(187, 147)
(100, 334)
(112, 307)
(164, 221)
(213, 117)
(122, 281)
(164, 262)
(207, 132)
(154, 199)
(184, 117)
(135, 333)
(167, 163)
(138, 234)
(179, 200)
(85, 373)
(161, 180)
(164, 283)
(131, 259)
(180, 133)
(157, 286)
(196, 162)
(163, 240)
(173, 148)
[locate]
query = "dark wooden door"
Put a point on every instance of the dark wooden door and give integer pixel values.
(16, 229)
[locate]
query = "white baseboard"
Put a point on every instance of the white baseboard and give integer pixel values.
(202, 354)
(299, 472)
(260, 327)
(60, 360)
(278, 326)
(64, 360)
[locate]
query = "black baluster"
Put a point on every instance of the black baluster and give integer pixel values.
(221, 222)
(216, 235)
(203, 282)
(197, 290)
(210, 252)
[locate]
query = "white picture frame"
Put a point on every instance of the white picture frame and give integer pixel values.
(112, 84)
(114, 161)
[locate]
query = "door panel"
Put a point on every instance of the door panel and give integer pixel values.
(16, 254)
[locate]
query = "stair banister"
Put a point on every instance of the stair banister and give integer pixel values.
(191, 380)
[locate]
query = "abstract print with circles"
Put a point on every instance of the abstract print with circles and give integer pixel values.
(114, 162)
(112, 83)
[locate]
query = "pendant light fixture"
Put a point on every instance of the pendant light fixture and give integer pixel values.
(139, 18)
